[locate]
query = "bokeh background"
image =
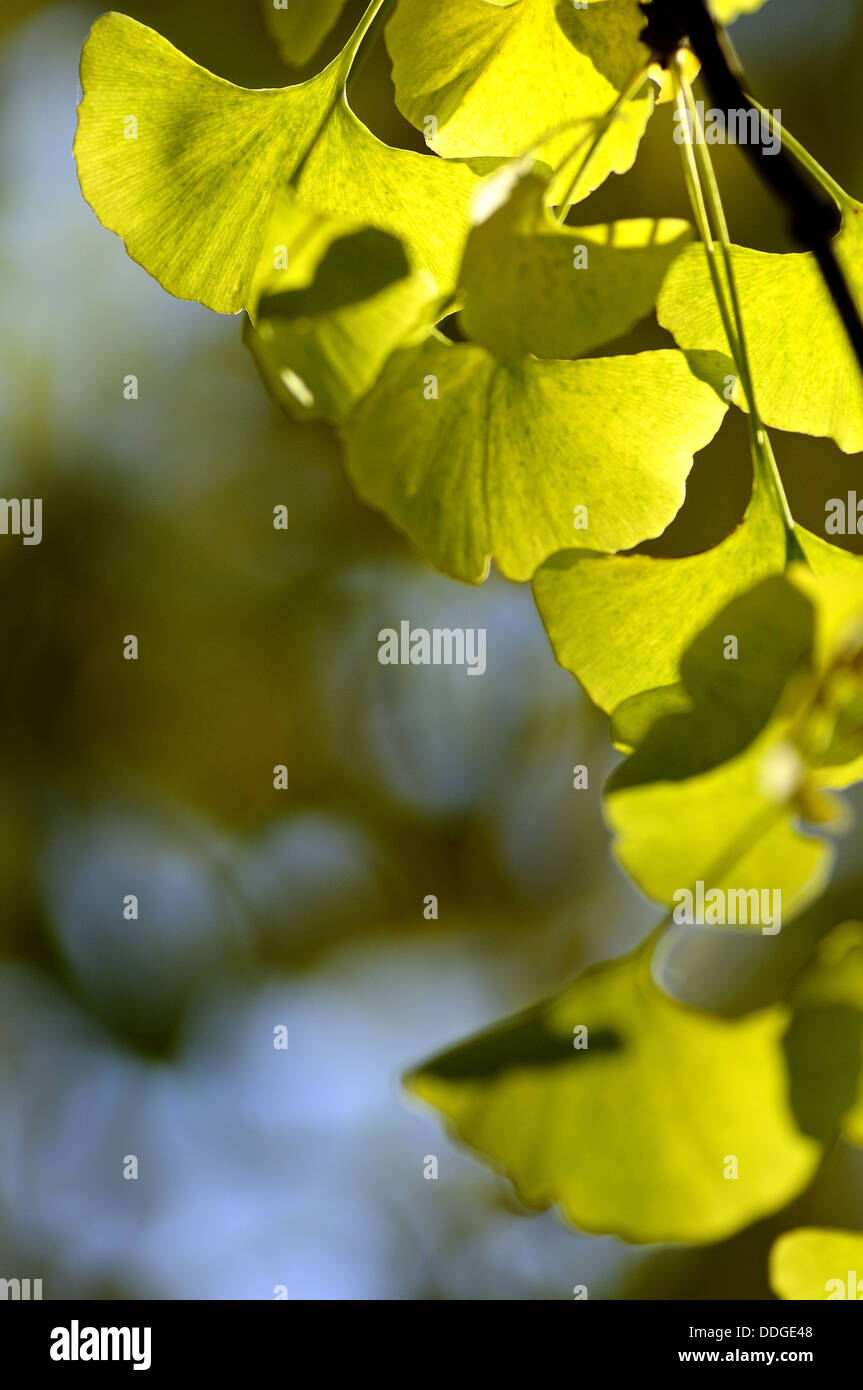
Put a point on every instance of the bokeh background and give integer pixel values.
(303, 1168)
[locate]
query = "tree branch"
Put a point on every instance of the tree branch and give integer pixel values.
(813, 220)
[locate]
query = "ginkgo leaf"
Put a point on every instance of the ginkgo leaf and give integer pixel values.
(727, 10)
(625, 1107)
(621, 623)
(482, 78)
(188, 168)
(320, 343)
(714, 794)
(299, 27)
(476, 458)
(814, 1264)
(532, 286)
(806, 375)
(824, 1044)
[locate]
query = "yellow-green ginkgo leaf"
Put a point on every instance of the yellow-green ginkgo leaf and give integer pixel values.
(814, 1264)
(299, 27)
(824, 1044)
(632, 718)
(727, 10)
(475, 458)
(621, 623)
(321, 335)
(806, 375)
(482, 78)
(531, 285)
(715, 794)
(188, 168)
(625, 1108)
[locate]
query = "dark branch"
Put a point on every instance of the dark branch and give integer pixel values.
(813, 219)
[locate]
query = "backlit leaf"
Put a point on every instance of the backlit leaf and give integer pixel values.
(484, 78)
(194, 192)
(632, 1134)
(621, 623)
(494, 463)
(534, 286)
(714, 793)
(818, 1265)
(824, 1044)
(299, 27)
(727, 10)
(806, 375)
(326, 322)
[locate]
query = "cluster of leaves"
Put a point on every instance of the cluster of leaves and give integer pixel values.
(351, 260)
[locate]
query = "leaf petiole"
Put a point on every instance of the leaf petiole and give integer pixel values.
(803, 157)
(701, 178)
(603, 124)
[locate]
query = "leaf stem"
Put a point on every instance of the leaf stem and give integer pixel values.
(814, 221)
(701, 176)
(366, 35)
(603, 124)
(803, 157)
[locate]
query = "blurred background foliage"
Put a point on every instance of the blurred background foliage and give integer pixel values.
(257, 647)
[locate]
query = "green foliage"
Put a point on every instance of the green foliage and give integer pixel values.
(621, 623)
(631, 1134)
(502, 79)
(727, 10)
(713, 792)
(828, 1007)
(815, 1264)
(195, 194)
(475, 473)
(326, 323)
(535, 301)
(806, 374)
(442, 319)
(300, 27)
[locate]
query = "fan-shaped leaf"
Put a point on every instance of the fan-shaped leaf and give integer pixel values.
(534, 286)
(632, 1133)
(327, 321)
(805, 372)
(485, 78)
(818, 1265)
(713, 794)
(621, 623)
(475, 458)
(825, 1042)
(188, 169)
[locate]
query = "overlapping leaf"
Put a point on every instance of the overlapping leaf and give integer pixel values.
(818, 1265)
(824, 1044)
(806, 375)
(714, 793)
(326, 321)
(496, 462)
(533, 286)
(631, 1134)
(481, 77)
(621, 623)
(300, 27)
(481, 452)
(192, 186)
(727, 10)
